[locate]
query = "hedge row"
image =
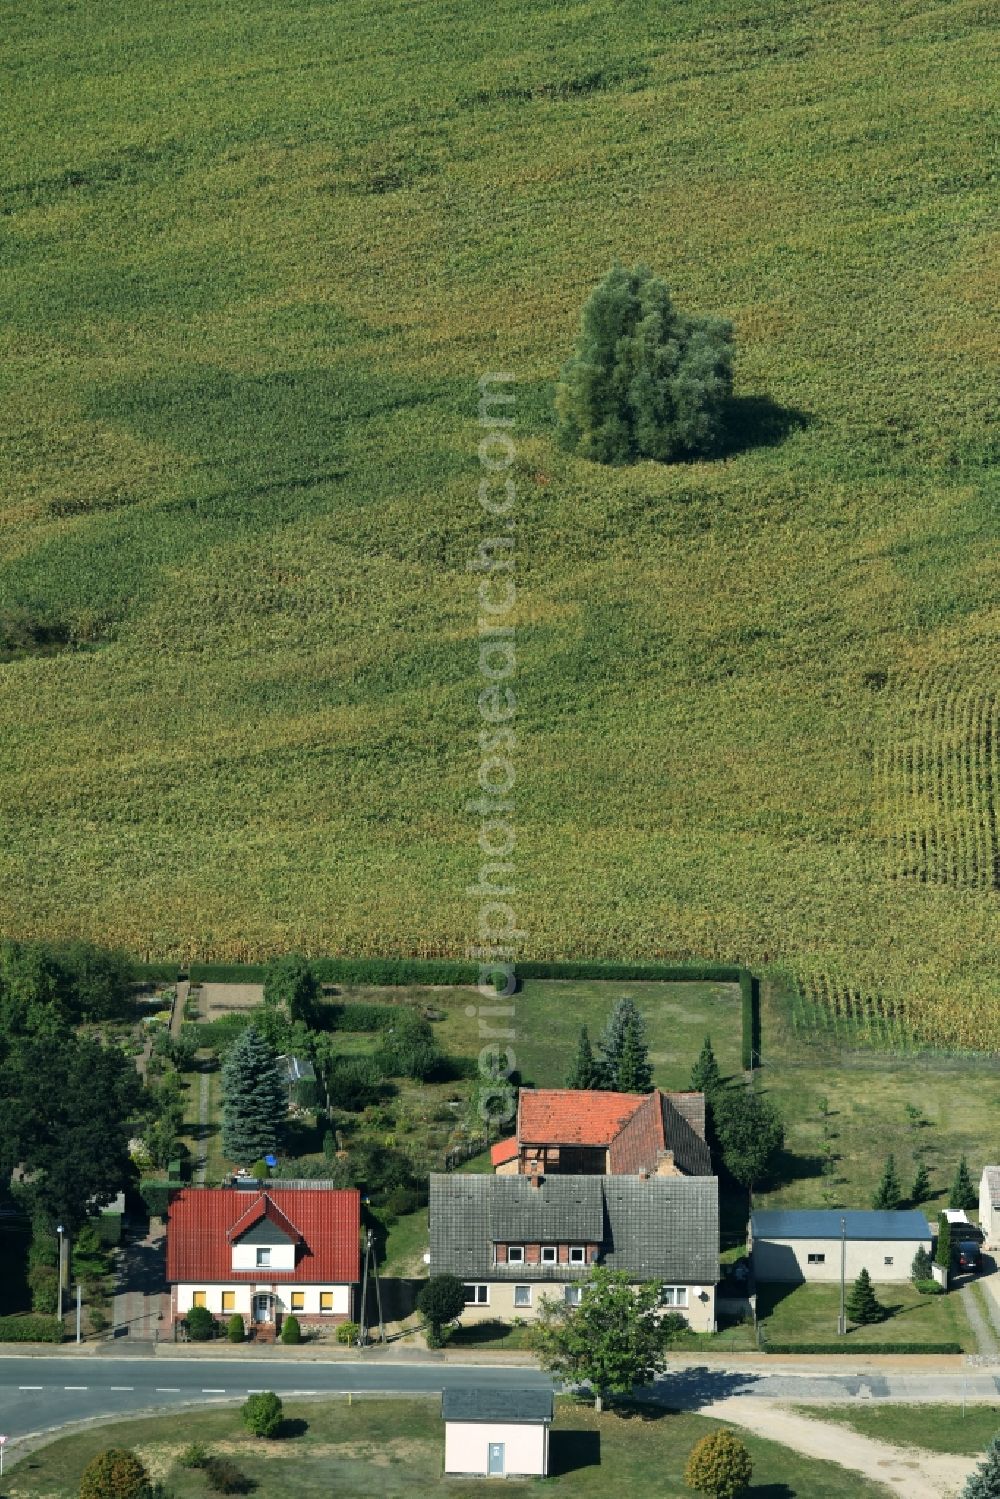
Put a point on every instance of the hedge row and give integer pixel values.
(636, 972)
(750, 1008)
(227, 973)
(30, 1329)
(155, 973)
(155, 1193)
(861, 1348)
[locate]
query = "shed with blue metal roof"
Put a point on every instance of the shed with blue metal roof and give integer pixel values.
(793, 1245)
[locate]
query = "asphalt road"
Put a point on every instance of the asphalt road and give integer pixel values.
(38, 1394)
(42, 1394)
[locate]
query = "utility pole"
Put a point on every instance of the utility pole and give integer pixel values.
(371, 1259)
(842, 1321)
(59, 1231)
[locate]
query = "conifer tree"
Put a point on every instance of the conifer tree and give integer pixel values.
(624, 1017)
(921, 1189)
(635, 1075)
(254, 1099)
(705, 1074)
(889, 1193)
(921, 1267)
(984, 1483)
(963, 1193)
(585, 1071)
(863, 1306)
(942, 1254)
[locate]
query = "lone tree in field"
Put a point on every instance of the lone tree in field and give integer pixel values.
(863, 1306)
(921, 1189)
(624, 1053)
(963, 1193)
(253, 1099)
(115, 1473)
(612, 1341)
(719, 1465)
(984, 1483)
(585, 1073)
(888, 1193)
(440, 1300)
(644, 380)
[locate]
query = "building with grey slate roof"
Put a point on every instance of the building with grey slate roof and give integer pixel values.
(514, 1240)
(497, 1432)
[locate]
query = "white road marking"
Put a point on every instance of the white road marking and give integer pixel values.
(121, 1387)
(168, 1389)
(29, 1386)
(74, 1386)
(213, 1392)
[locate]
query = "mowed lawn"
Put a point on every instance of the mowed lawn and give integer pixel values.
(258, 256)
(388, 1447)
(937, 1428)
(808, 1314)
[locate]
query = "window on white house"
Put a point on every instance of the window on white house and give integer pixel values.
(887, 1260)
(477, 1295)
(515, 1254)
(815, 1259)
(263, 1256)
(674, 1296)
(522, 1295)
(549, 1254)
(577, 1255)
(573, 1294)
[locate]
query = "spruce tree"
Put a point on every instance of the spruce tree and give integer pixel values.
(635, 1075)
(888, 1194)
(921, 1189)
(963, 1193)
(254, 1099)
(921, 1267)
(705, 1074)
(863, 1306)
(584, 1074)
(984, 1483)
(624, 1016)
(942, 1254)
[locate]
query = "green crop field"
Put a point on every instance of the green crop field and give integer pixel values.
(256, 258)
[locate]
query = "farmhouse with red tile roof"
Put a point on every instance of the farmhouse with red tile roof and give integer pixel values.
(264, 1252)
(591, 1133)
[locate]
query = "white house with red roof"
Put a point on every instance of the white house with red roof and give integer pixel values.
(265, 1251)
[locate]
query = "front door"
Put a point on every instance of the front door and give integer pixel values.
(261, 1308)
(494, 1466)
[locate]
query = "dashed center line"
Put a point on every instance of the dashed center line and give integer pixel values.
(122, 1388)
(29, 1386)
(213, 1392)
(74, 1386)
(168, 1389)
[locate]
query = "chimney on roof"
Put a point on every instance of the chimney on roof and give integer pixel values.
(665, 1164)
(535, 1180)
(643, 1174)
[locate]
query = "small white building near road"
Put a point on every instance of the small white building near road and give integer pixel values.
(494, 1432)
(793, 1246)
(989, 1204)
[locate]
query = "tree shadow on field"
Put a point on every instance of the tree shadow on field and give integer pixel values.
(750, 422)
(771, 1491)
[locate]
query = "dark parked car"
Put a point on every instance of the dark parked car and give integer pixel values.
(969, 1255)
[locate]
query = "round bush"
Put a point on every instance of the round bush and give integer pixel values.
(347, 1333)
(235, 1330)
(719, 1465)
(291, 1332)
(200, 1324)
(644, 380)
(115, 1473)
(262, 1414)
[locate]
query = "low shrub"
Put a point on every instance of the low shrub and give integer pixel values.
(98, 1320)
(291, 1330)
(848, 1345)
(30, 1329)
(262, 1414)
(200, 1324)
(929, 1288)
(195, 1456)
(347, 1334)
(235, 1330)
(224, 1477)
(155, 1193)
(115, 1473)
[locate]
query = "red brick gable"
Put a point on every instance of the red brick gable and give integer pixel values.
(635, 1146)
(327, 1225)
